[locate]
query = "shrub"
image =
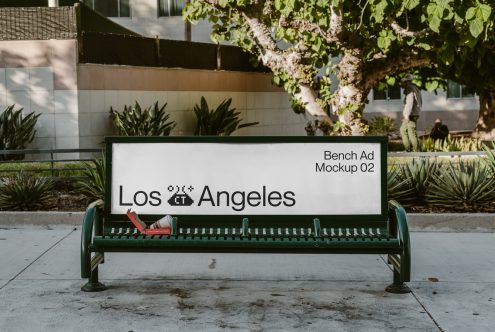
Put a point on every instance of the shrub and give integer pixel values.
(451, 144)
(16, 131)
(420, 174)
(222, 121)
(382, 125)
(490, 157)
(466, 185)
(93, 185)
(398, 188)
(134, 121)
(24, 192)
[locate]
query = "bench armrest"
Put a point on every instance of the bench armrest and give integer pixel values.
(91, 217)
(397, 226)
(398, 222)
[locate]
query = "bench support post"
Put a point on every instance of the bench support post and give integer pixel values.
(398, 286)
(89, 265)
(93, 285)
(401, 264)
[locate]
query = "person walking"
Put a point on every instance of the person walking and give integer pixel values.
(412, 107)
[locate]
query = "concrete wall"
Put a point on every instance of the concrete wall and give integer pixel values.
(41, 77)
(103, 86)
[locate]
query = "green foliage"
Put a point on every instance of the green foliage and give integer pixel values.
(322, 127)
(451, 144)
(420, 174)
(382, 125)
(304, 42)
(93, 184)
(221, 121)
(24, 192)
(133, 121)
(490, 157)
(297, 106)
(465, 185)
(16, 131)
(64, 169)
(399, 188)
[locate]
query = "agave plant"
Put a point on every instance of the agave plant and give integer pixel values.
(134, 121)
(466, 185)
(222, 121)
(398, 188)
(490, 157)
(16, 131)
(93, 185)
(25, 192)
(420, 173)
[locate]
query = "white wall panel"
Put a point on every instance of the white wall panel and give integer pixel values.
(40, 78)
(17, 79)
(66, 102)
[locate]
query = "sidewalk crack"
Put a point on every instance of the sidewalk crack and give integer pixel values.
(418, 300)
(37, 258)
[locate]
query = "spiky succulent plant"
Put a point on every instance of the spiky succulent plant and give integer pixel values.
(25, 192)
(135, 121)
(465, 185)
(221, 121)
(398, 188)
(420, 173)
(93, 184)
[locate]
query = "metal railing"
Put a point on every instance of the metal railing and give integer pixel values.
(50, 161)
(437, 154)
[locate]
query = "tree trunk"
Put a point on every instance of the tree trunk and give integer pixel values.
(350, 97)
(485, 128)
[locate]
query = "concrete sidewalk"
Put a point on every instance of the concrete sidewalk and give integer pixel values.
(453, 284)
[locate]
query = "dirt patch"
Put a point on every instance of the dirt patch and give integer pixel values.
(64, 200)
(182, 305)
(181, 293)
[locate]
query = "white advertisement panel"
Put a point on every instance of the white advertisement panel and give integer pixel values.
(317, 178)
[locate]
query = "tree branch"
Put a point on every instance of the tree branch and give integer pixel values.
(407, 33)
(288, 61)
(274, 59)
(305, 26)
(336, 20)
(376, 71)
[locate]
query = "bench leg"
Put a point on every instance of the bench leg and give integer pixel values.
(93, 285)
(398, 286)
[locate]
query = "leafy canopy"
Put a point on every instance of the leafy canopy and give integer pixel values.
(306, 43)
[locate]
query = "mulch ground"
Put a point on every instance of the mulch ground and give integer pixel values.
(63, 200)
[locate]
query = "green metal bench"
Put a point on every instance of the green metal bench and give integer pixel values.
(257, 227)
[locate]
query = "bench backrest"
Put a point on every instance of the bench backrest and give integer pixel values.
(274, 181)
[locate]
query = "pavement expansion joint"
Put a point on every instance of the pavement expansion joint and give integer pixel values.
(36, 259)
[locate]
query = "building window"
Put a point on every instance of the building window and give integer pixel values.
(389, 93)
(456, 90)
(110, 8)
(170, 7)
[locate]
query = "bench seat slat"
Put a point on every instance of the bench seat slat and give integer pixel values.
(232, 243)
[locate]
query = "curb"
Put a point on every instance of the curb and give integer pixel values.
(418, 222)
(451, 222)
(40, 218)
